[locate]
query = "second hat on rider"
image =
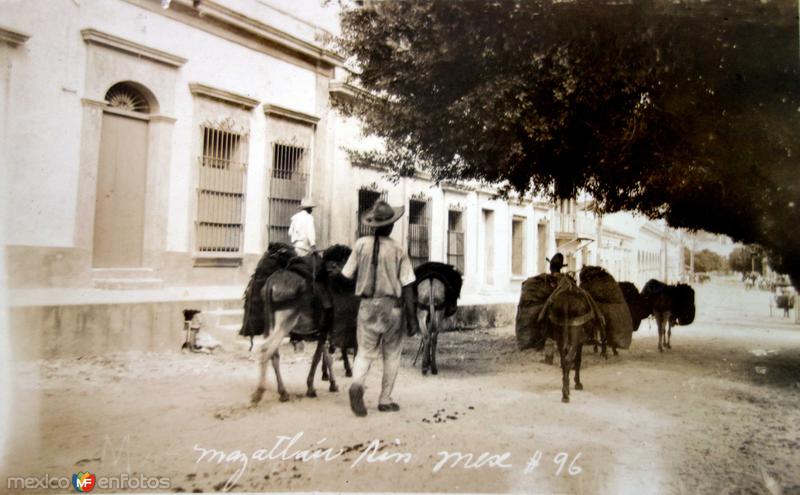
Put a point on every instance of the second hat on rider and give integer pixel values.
(306, 203)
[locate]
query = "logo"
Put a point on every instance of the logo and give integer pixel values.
(83, 482)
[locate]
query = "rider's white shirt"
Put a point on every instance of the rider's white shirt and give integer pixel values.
(302, 232)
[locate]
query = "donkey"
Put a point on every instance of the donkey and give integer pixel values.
(294, 306)
(345, 307)
(670, 305)
(438, 288)
(571, 321)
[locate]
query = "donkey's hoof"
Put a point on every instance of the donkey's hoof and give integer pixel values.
(565, 399)
(256, 397)
(424, 371)
(311, 393)
(435, 371)
(660, 349)
(333, 388)
(324, 378)
(348, 373)
(578, 386)
(284, 397)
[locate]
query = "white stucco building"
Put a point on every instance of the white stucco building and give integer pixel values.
(151, 154)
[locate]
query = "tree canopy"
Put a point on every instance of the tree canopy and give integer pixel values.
(687, 111)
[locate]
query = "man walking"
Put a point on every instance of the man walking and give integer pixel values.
(384, 280)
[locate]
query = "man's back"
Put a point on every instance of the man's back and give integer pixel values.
(394, 268)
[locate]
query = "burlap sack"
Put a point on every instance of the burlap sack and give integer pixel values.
(608, 296)
(533, 295)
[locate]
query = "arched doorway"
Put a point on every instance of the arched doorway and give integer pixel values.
(122, 177)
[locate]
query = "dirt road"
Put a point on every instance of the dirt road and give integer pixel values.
(709, 416)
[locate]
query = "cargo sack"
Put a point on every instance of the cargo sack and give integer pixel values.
(276, 257)
(534, 293)
(683, 304)
(784, 302)
(609, 298)
(286, 286)
(636, 303)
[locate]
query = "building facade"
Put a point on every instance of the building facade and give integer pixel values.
(151, 154)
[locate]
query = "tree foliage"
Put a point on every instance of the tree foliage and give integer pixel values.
(707, 261)
(746, 259)
(686, 111)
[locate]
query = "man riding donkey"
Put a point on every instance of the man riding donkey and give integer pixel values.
(303, 236)
(385, 279)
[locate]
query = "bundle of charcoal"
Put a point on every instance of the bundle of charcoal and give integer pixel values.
(534, 293)
(609, 297)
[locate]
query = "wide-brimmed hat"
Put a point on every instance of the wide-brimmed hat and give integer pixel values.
(306, 203)
(382, 214)
(556, 261)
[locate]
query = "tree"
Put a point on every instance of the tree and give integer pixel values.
(709, 261)
(746, 259)
(683, 111)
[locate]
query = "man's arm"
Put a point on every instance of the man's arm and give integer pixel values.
(407, 279)
(410, 310)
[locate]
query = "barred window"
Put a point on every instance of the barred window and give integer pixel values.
(418, 232)
(366, 198)
(221, 189)
(517, 245)
(287, 188)
(455, 239)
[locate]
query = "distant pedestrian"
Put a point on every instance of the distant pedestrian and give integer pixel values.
(384, 280)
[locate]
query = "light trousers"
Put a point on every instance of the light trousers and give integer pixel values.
(379, 334)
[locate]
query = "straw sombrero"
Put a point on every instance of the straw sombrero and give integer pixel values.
(382, 214)
(306, 203)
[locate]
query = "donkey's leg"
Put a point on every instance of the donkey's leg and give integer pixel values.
(660, 324)
(578, 384)
(325, 369)
(310, 392)
(327, 362)
(422, 317)
(276, 361)
(436, 326)
(564, 373)
(549, 350)
(268, 349)
(348, 371)
(669, 335)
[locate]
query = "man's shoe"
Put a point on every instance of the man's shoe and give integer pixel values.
(391, 407)
(357, 400)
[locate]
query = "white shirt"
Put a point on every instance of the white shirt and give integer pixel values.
(302, 233)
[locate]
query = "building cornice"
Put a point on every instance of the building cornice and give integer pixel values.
(213, 10)
(347, 91)
(271, 110)
(95, 37)
(12, 36)
(199, 89)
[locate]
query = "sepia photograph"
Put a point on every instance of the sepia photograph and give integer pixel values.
(400, 246)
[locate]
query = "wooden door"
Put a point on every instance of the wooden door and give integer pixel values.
(121, 189)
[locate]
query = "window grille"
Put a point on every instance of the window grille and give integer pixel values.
(517, 246)
(287, 188)
(455, 239)
(418, 229)
(221, 190)
(366, 198)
